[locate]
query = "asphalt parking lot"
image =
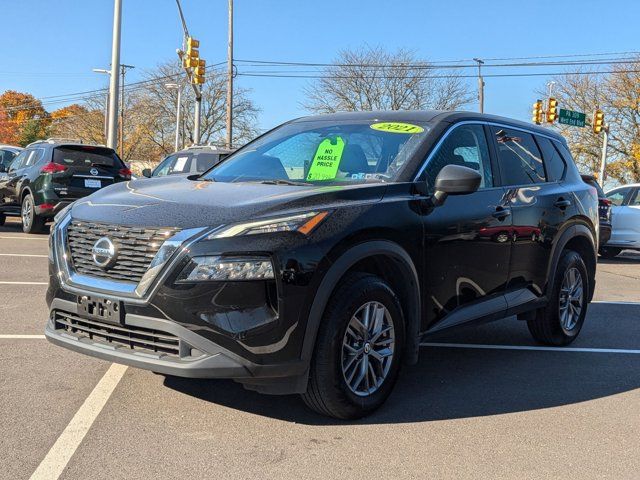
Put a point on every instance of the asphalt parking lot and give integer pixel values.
(482, 403)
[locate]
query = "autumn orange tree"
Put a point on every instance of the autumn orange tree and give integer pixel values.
(23, 117)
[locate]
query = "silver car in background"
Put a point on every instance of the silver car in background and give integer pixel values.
(625, 233)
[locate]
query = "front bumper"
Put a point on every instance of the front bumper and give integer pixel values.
(195, 356)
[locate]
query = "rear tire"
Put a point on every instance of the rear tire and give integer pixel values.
(31, 222)
(609, 252)
(358, 350)
(560, 322)
(3, 218)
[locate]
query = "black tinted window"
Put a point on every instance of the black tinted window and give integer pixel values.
(86, 156)
(6, 157)
(553, 162)
(519, 157)
(204, 161)
(465, 146)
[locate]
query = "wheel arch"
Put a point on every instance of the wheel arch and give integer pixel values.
(578, 237)
(383, 258)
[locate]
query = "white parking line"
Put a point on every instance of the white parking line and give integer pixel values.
(23, 337)
(7, 237)
(21, 255)
(68, 442)
(526, 347)
(24, 283)
(615, 302)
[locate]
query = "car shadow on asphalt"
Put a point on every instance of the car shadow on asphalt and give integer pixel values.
(450, 383)
(13, 225)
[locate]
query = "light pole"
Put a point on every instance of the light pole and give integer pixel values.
(106, 104)
(123, 71)
(112, 130)
(480, 85)
(178, 87)
(230, 79)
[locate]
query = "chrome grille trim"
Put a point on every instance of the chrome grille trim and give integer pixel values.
(136, 248)
(81, 284)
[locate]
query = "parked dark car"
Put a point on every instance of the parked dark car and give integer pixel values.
(604, 211)
(50, 174)
(315, 259)
(190, 161)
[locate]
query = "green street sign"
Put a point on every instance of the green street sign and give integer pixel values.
(570, 117)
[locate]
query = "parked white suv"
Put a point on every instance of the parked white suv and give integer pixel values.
(625, 234)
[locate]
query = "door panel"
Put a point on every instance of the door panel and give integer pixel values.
(467, 251)
(626, 223)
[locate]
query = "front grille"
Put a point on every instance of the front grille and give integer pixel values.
(136, 248)
(135, 338)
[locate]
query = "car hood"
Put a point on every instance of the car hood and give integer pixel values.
(184, 203)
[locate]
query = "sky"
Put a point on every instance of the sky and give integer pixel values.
(49, 47)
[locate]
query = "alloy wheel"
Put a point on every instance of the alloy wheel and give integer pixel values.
(367, 348)
(571, 299)
(26, 212)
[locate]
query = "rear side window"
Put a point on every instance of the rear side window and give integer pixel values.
(519, 157)
(553, 162)
(635, 199)
(86, 156)
(204, 161)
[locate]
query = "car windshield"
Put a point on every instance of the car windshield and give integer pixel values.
(176, 164)
(311, 152)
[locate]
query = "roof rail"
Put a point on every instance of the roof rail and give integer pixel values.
(56, 140)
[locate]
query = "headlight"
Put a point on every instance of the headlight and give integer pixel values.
(60, 215)
(303, 223)
(226, 269)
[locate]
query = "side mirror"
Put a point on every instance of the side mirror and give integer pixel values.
(455, 180)
(146, 172)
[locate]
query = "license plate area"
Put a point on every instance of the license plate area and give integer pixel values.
(92, 183)
(103, 309)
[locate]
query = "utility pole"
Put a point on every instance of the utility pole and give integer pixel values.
(603, 161)
(230, 79)
(123, 71)
(112, 131)
(480, 84)
(178, 87)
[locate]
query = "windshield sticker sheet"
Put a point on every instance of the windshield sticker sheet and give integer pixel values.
(326, 160)
(397, 127)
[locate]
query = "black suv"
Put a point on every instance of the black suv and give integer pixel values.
(316, 258)
(50, 174)
(191, 160)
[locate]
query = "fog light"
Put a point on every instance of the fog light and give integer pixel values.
(216, 268)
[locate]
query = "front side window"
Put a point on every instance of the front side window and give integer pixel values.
(466, 146)
(204, 161)
(324, 151)
(635, 198)
(519, 158)
(617, 196)
(6, 157)
(20, 159)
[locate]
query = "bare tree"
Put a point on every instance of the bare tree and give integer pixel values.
(375, 79)
(617, 93)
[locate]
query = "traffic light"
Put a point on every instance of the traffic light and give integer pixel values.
(598, 121)
(199, 70)
(192, 47)
(537, 112)
(552, 110)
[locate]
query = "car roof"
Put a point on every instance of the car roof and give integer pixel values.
(628, 185)
(449, 116)
(11, 147)
(57, 142)
(205, 148)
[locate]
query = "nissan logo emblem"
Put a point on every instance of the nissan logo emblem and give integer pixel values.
(104, 253)
(94, 171)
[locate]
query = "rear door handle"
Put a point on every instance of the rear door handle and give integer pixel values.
(501, 213)
(562, 203)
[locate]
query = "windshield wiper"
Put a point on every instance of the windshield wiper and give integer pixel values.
(283, 182)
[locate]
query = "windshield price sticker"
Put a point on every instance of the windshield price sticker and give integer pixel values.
(326, 160)
(397, 127)
(180, 163)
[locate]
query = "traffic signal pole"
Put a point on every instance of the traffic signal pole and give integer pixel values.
(112, 130)
(603, 161)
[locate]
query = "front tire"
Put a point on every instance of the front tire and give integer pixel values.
(560, 322)
(3, 218)
(31, 222)
(358, 350)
